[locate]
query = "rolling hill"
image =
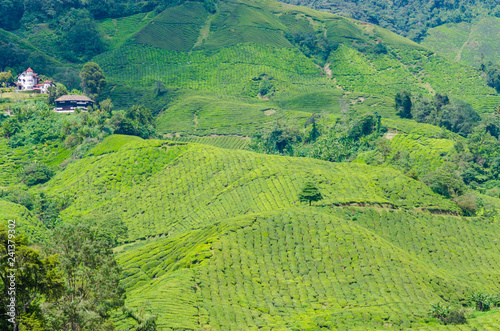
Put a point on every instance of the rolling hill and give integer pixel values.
(473, 43)
(286, 58)
(217, 239)
(211, 235)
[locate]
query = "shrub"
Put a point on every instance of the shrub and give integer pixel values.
(444, 181)
(455, 316)
(481, 301)
(35, 173)
(467, 204)
(439, 311)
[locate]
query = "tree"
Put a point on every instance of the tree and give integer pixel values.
(37, 279)
(445, 181)
(6, 77)
(106, 106)
(310, 193)
(459, 117)
(11, 12)
(35, 173)
(93, 80)
(159, 88)
(403, 104)
(55, 92)
(481, 301)
(91, 278)
(145, 323)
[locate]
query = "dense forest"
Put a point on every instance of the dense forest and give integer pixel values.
(408, 18)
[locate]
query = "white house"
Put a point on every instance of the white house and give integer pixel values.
(27, 80)
(44, 88)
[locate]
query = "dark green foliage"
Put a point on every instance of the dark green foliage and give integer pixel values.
(37, 279)
(492, 75)
(312, 44)
(35, 173)
(467, 204)
(408, 18)
(403, 104)
(279, 139)
(91, 279)
(439, 311)
(159, 88)
(11, 12)
(136, 121)
(445, 181)
(339, 142)
(310, 193)
(144, 323)
(93, 80)
(56, 92)
(80, 38)
(314, 133)
(455, 317)
(456, 116)
(459, 117)
(364, 125)
(481, 301)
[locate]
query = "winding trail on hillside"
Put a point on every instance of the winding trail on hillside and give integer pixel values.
(459, 54)
(204, 32)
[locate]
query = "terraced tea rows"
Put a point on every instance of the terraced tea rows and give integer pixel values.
(227, 71)
(158, 187)
(12, 159)
(310, 268)
(26, 223)
(217, 141)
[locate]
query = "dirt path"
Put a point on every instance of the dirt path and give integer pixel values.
(205, 30)
(459, 54)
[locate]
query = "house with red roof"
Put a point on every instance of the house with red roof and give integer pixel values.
(29, 81)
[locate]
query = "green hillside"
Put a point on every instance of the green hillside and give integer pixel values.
(311, 268)
(193, 185)
(469, 43)
(262, 50)
(216, 115)
(216, 238)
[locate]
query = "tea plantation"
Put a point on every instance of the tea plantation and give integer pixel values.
(217, 238)
(214, 117)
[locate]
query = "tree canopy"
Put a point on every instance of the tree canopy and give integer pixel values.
(310, 193)
(93, 80)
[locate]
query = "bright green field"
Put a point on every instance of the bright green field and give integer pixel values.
(217, 238)
(470, 43)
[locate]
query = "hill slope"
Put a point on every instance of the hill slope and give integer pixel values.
(229, 247)
(265, 51)
(470, 43)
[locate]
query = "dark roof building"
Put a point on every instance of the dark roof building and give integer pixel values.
(68, 103)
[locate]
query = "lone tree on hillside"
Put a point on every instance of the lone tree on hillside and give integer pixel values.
(93, 80)
(403, 104)
(310, 193)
